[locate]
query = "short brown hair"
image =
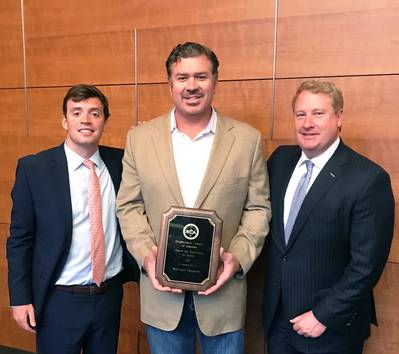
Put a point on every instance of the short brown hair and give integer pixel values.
(190, 50)
(324, 87)
(82, 92)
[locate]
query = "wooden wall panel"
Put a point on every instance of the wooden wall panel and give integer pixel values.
(131, 327)
(332, 7)
(75, 17)
(351, 43)
(384, 338)
(244, 48)
(12, 114)
(10, 335)
(96, 58)
(243, 100)
(11, 54)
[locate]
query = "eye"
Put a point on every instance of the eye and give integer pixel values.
(319, 113)
(201, 77)
(95, 114)
(76, 114)
(181, 78)
(300, 115)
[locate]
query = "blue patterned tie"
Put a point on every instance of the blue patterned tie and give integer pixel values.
(299, 196)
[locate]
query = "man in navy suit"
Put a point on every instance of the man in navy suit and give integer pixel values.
(51, 286)
(322, 266)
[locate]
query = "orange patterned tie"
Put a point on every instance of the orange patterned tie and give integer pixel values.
(96, 225)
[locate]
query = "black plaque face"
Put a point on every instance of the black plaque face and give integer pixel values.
(189, 249)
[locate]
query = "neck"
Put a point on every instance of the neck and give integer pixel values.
(85, 151)
(192, 125)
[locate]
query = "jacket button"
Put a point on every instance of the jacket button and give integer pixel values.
(284, 259)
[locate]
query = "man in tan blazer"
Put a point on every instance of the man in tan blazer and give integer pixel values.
(194, 157)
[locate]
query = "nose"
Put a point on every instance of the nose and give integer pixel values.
(85, 117)
(308, 121)
(191, 84)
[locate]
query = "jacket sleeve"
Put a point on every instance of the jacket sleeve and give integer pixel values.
(371, 231)
(20, 243)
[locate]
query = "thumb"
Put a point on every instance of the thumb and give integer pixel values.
(31, 317)
(295, 319)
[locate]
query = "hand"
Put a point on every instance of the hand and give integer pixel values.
(308, 325)
(24, 315)
(149, 266)
(228, 268)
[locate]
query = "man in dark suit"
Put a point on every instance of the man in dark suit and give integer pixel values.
(53, 288)
(331, 231)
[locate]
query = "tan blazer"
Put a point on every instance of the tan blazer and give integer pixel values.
(235, 185)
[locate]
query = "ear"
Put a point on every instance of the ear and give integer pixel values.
(340, 116)
(170, 86)
(106, 123)
(64, 122)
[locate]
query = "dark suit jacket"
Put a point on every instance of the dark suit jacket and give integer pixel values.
(41, 224)
(337, 250)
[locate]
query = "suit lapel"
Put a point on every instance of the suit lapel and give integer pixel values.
(112, 166)
(222, 144)
(162, 141)
(330, 173)
(61, 181)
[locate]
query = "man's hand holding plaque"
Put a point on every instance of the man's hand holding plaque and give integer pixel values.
(189, 251)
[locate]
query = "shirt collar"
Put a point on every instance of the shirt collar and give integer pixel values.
(75, 161)
(210, 128)
(320, 160)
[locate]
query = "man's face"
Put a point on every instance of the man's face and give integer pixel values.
(84, 123)
(192, 86)
(316, 123)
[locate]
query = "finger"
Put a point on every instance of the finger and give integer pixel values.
(31, 317)
(295, 319)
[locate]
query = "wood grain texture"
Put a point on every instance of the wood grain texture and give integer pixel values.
(333, 7)
(244, 48)
(12, 113)
(72, 17)
(349, 43)
(11, 54)
(384, 338)
(96, 58)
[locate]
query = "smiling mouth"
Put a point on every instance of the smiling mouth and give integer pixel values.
(86, 130)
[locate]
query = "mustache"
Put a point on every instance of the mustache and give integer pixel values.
(190, 93)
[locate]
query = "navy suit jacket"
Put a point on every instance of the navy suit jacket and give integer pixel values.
(41, 224)
(337, 250)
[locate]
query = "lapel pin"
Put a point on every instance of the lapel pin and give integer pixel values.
(332, 175)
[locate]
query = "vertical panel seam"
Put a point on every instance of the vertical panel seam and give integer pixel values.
(136, 89)
(26, 107)
(272, 120)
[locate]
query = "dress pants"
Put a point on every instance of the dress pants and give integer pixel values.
(72, 322)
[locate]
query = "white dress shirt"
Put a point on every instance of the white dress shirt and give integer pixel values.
(300, 169)
(77, 269)
(191, 157)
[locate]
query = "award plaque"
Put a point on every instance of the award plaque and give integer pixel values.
(188, 253)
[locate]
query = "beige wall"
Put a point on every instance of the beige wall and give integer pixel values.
(121, 46)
